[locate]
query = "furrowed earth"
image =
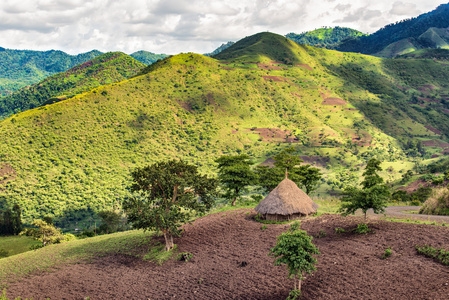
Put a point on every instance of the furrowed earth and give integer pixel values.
(230, 261)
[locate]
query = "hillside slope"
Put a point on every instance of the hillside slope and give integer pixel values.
(338, 109)
(105, 69)
(424, 31)
(19, 68)
(328, 38)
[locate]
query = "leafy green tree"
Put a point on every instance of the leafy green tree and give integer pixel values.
(46, 233)
(235, 174)
(295, 249)
(110, 219)
(374, 194)
(166, 195)
(304, 176)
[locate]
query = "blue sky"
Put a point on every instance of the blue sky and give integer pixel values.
(174, 26)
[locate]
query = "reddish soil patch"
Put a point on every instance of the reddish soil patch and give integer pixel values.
(430, 143)
(434, 156)
(268, 67)
(312, 160)
(7, 173)
(275, 135)
(422, 105)
(446, 111)
(305, 66)
(274, 78)
(414, 186)
(434, 130)
(227, 68)
(230, 261)
(296, 95)
(333, 101)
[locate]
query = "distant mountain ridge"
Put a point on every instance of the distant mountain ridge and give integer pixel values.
(424, 31)
(19, 68)
(327, 37)
(105, 69)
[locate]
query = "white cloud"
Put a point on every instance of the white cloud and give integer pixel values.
(173, 26)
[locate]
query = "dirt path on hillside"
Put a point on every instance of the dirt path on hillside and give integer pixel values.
(401, 212)
(230, 261)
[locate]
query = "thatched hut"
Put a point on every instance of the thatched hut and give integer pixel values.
(286, 202)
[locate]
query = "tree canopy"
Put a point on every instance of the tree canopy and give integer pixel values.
(304, 176)
(374, 194)
(166, 195)
(295, 249)
(234, 173)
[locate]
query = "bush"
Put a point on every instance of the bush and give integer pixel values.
(440, 255)
(362, 228)
(3, 253)
(185, 256)
(387, 253)
(437, 204)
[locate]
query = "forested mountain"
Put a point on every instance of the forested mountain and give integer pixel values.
(325, 37)
(104, 69)
(19, 68)
(147, 57)
(425, 31)
(260, 95)
(219, 49)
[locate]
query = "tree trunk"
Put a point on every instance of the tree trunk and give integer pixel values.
(233, 201)
(299, 284)
(168, 241)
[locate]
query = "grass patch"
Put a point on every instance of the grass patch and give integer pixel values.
(16, 244)
(439, 255)
(387, 253)
(159, 255)
(54, 256)
(415, 221)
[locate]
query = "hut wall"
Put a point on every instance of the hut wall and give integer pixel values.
(282, 218)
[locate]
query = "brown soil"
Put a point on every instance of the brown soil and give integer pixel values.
(230, 261)
(434, 130)
(305, 66)
(275, 135)
(268, 67)
(333, 101)
(7, 173)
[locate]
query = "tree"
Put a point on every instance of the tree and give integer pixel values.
(374, 194)
(304, 176)
(234, 172)
(295, 249)
(46, 233)
(110, 219)
(166, 195)
(16, 219)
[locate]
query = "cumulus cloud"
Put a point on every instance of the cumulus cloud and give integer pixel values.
(173, 26)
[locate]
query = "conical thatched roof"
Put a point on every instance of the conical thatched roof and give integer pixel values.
(287, 199)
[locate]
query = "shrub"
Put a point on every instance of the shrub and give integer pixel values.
(437, 204)
(185, 256)
(440, 255)
(387, 253)
(339, 230)
(3, 253)
(362, 228)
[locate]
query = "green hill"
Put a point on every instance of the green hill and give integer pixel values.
(425, 31)
(105, 69)
(438, 54)
(326, 37)
(258, 96)
(147, 57)
(19, 68)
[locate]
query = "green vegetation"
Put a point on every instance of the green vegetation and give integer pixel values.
(71, 159)
(373, 195)
(135, 243)
(295, 249)
(46, 233)
(234, 173)
(12, 245)
(387, 253)
(19, 68)
(414, 28)
(437, 204)
(167, 195)
(362, 228)
(146, 57)
(219, 49)
(439, 255)
(11, 221)
(327, 37)
(104, 69)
